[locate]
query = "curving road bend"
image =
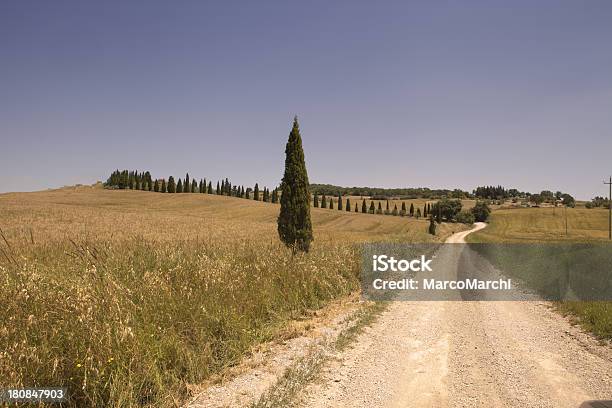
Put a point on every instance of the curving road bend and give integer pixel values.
(467, 354)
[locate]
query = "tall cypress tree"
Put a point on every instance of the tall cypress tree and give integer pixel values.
(194, 186)
(348, 204)
(163, 186)
(187, 184)
(379, 210)
(275, 196)
(425, 210)
(418, 213)
(432, 225)
(356, 208)
(387, 212)
(372, 209)
(323, 202)
(411, 209)
(331, 203)
(340, 202)
(218, 190)
(171, 185)
(294, 225)
(315, 202)
(156, 186)
(179, 186)
(403, 210)
(364, 207)
(210, 189)
(200, 187)
(256, 192)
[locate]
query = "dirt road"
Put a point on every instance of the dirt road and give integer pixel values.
(467, 354)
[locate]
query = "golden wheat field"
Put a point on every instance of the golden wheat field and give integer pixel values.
(128, 297)
(545, 224)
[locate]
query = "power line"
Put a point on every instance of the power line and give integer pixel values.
(609, 183)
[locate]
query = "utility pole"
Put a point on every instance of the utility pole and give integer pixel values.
(609, 183)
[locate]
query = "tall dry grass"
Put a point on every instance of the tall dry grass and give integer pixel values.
(128, 298)
(132, 323)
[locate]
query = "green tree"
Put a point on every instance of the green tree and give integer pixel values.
(210, 189)
(179, 186)
(186, 184)
(163, 186)
(403, 210)
(156, 186)
(387, 212)
(372, 208)
(465, 217)
(356, 208)
(418, 213)
(194, 186)
(432, 225)
(568, 200)
(348, 204)
(481, 211)
(294, 225)
(275, 196)
(218, 190)
(171, 185)
(364, 207)
(379, 210)
(316, 201)
(340, 202)
(537, 199)
(256, 192)
(331, 203)
(394, 212)
(323, 201)
(411, 210)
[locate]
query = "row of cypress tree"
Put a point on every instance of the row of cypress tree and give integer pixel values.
(324, 202)
(135, 180)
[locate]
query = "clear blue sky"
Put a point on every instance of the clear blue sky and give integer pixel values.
(391, 94)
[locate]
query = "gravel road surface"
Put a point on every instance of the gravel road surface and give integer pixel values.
(467, 354)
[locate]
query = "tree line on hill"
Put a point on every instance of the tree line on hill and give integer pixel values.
(340, 205)
(497, 192)
(545, 196)
(598, 202)
(135, 180)
(385, 193)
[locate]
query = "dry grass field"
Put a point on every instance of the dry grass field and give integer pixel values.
(130, 297)
(544, 224)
